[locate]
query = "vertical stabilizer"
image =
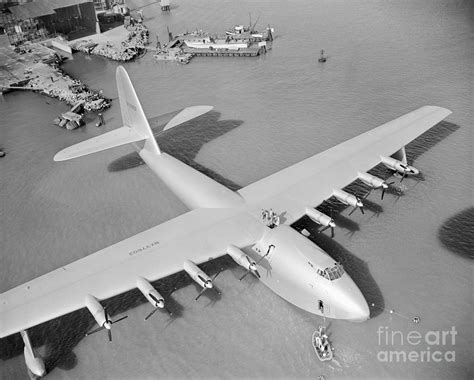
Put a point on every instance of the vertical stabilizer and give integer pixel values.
(132, 112)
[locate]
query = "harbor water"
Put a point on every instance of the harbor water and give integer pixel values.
(409, 254)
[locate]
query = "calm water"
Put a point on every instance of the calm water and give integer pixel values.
(409, 254)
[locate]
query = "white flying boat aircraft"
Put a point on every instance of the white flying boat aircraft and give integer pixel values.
(220, 221)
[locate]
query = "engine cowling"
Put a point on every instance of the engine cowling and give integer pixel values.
(398, 165)
(371, 180)
(319, 217)
(240, 257)
(33, 363)
(197, 274)
(150, 293)
(347, 198)
(96, 309)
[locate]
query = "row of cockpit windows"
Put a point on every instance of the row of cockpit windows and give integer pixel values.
(332, 273)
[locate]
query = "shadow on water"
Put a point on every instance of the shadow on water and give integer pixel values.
(457, 233)
(184, 142)
(357, 269)
(429, 139)
(61, 335)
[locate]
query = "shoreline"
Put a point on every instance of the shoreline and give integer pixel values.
(36, 67)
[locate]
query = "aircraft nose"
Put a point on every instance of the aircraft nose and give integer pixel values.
(359, 311)
(352, 305)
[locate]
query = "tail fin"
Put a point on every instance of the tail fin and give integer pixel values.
(136, 127)
(132, 112)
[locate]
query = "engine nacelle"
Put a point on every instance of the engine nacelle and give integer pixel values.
(371, 180)
(197, 274)
(241, 258)
(320, 218)
(34, 364)
(398, 165)
(150, 293)
(97, 311)
(347, 198)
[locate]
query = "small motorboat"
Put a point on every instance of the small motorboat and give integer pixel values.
(321, 344)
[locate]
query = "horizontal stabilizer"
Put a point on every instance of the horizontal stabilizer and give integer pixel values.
(112, 139)
(188, 113)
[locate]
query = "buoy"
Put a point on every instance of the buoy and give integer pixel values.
(322, 58)
(391, 311)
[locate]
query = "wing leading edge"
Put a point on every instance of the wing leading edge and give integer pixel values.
(314, 179)
(198, 235)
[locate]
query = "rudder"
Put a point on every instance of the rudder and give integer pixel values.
(132, 112)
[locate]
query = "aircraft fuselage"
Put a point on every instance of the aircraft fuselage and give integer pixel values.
(294, 268)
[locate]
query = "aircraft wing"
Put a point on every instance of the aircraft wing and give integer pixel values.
(199, 235)
(311, 181)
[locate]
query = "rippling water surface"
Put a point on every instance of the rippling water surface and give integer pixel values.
(411, 254)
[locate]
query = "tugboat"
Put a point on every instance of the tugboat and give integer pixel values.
(321, 344)
(322, 59)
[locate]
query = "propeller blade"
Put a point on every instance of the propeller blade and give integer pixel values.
(324, 229)
(383, 193)
(332, 232)
(168, 311)
(403, 176)
(200, 293)
(257, 274)
(245, 275)
(110, 335)
(120, 319)
(258, 262)
(150, 314)
(362, 210)
(355, 208)
(96, 330)
(217, 274)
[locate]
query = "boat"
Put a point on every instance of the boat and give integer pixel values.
(240, 31)
(173, 54)
(202, 40)
(321, 344)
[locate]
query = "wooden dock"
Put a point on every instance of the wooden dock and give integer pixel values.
(252, 52)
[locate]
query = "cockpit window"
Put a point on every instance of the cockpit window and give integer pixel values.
(332, 273)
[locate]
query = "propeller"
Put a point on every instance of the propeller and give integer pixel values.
(361, 207)
(258, 262)
(330, 225)
(208, 285)
(157, 302)
(385, 186)
(107, 325)
(403, 176)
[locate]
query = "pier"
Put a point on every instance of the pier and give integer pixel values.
(35, 67)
